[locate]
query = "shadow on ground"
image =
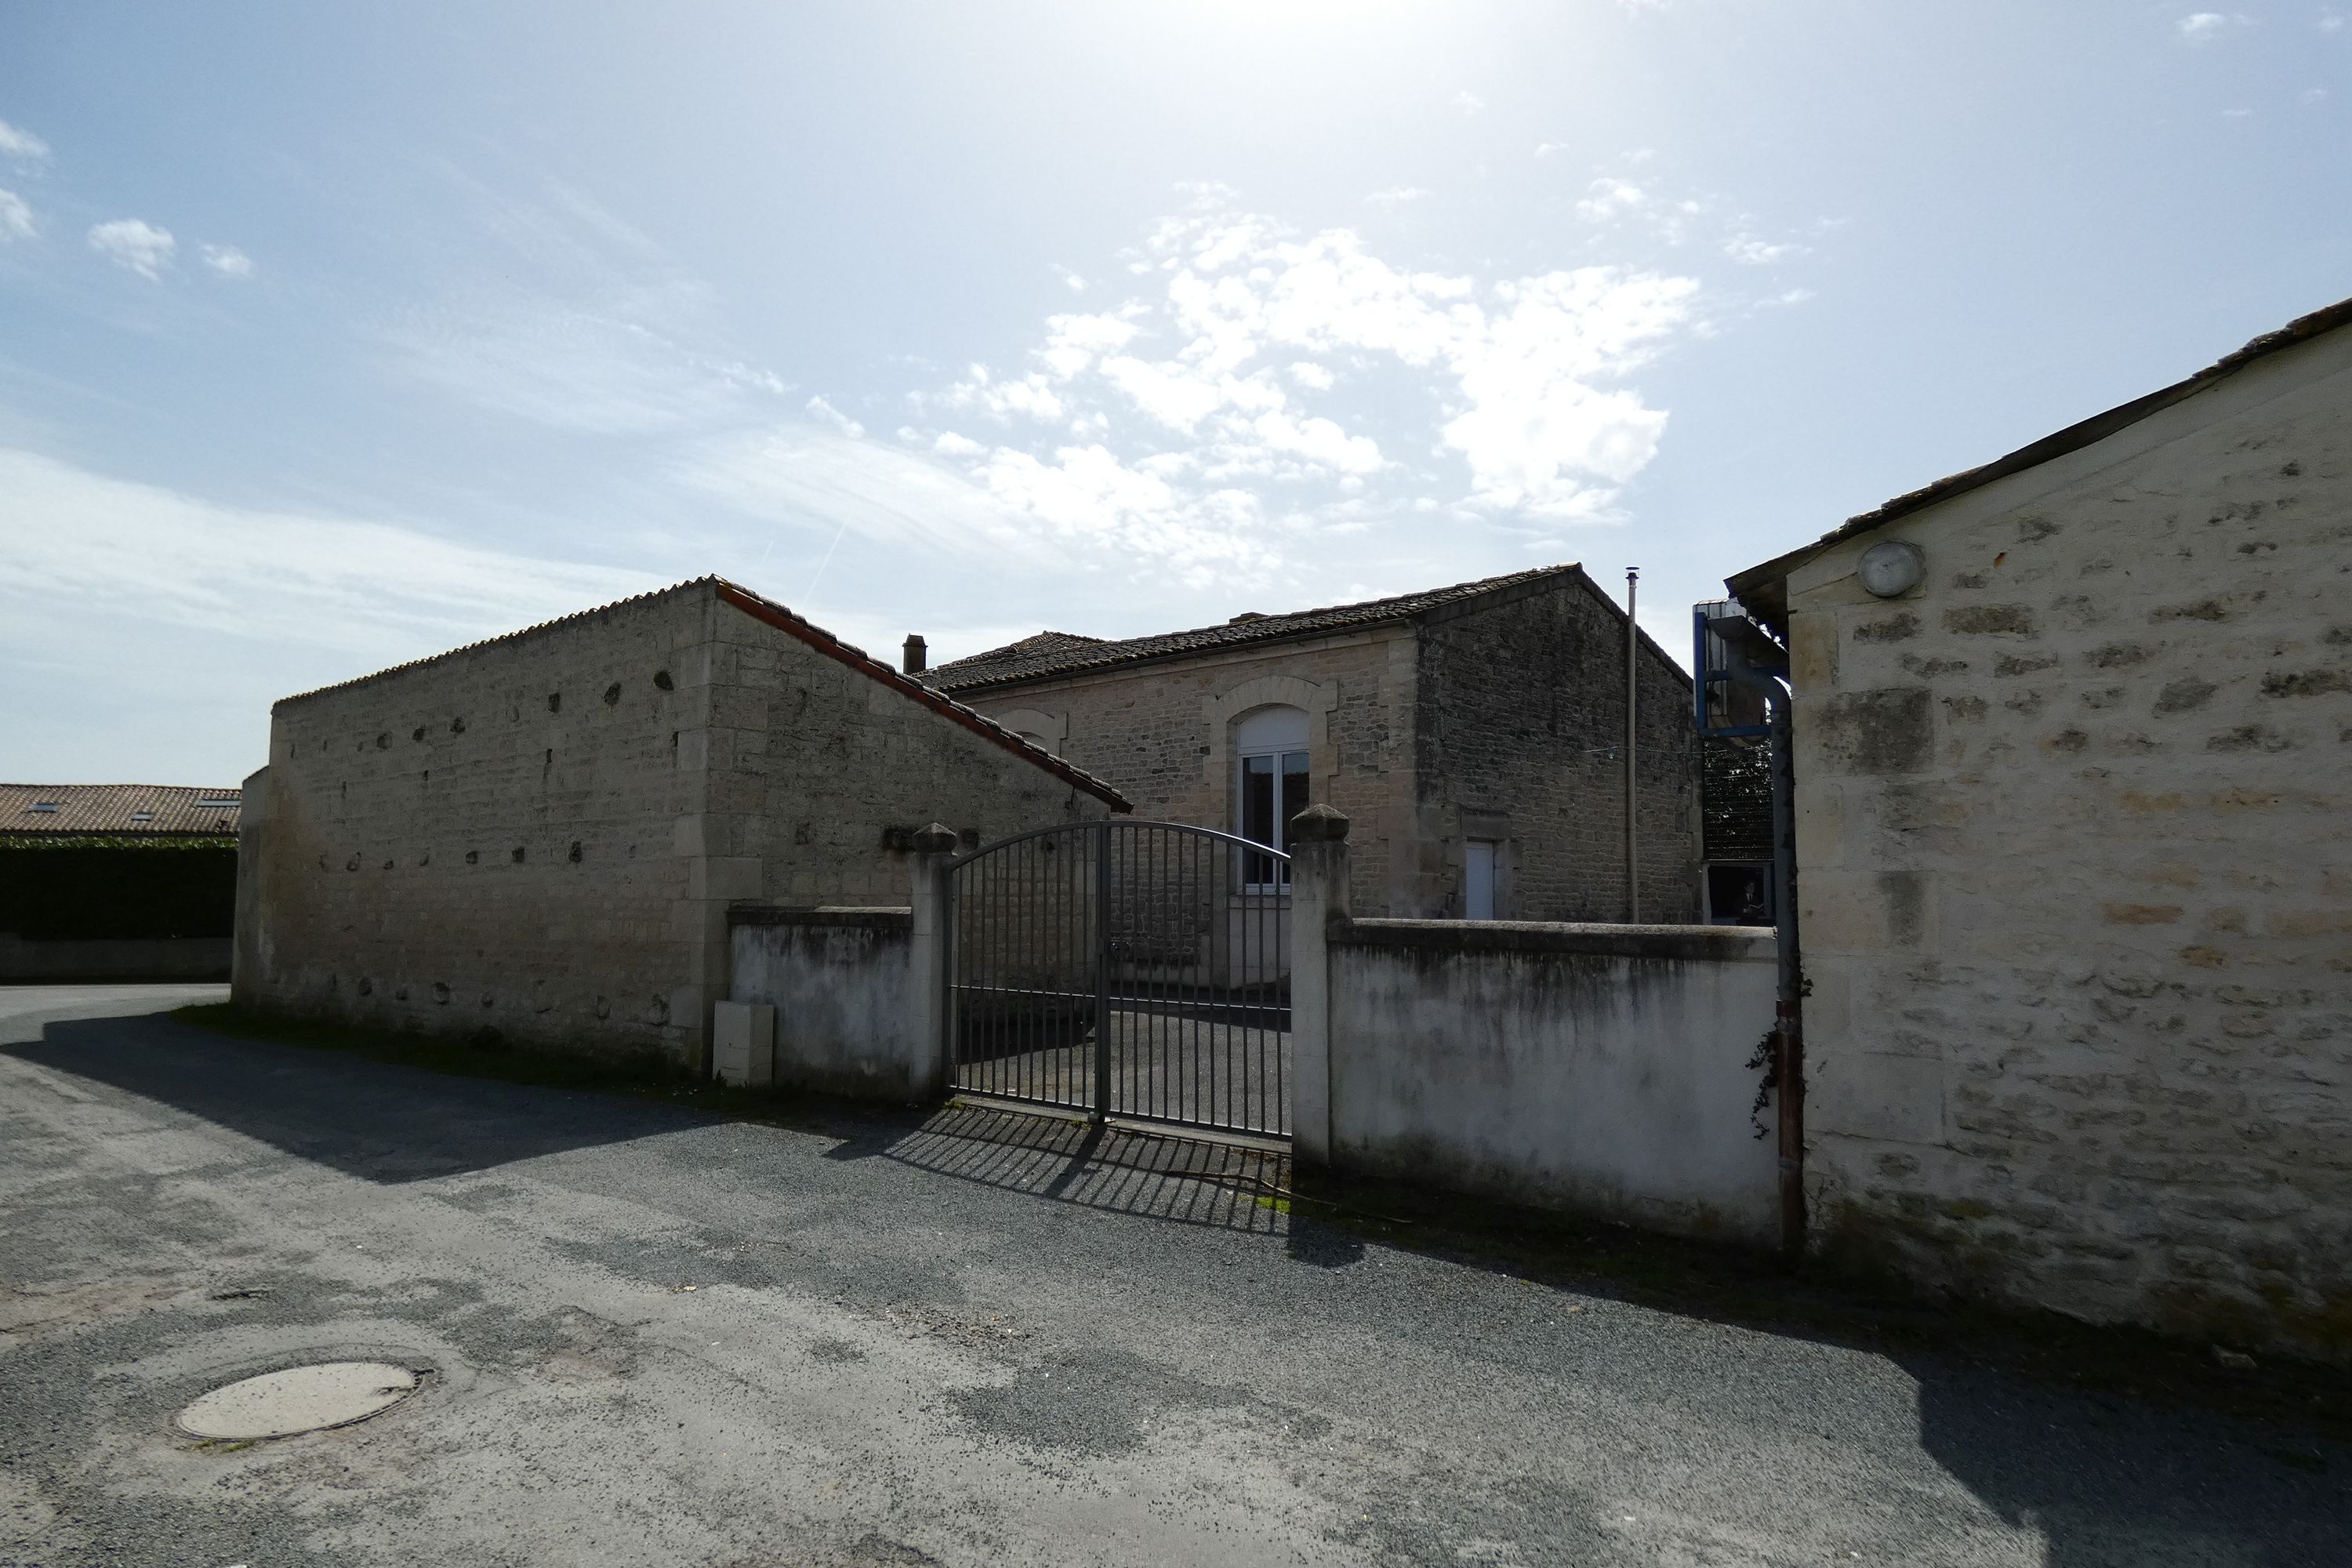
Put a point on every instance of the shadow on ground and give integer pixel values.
(2121, 1448)
(380, 1122)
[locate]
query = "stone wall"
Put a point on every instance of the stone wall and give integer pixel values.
(1160, 733)
(1497, 717)
(1518, 737)
(540, 836)
(2076, 890)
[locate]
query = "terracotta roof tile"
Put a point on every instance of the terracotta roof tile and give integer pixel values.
(816, 637)
(1066, 653)
(62, 809)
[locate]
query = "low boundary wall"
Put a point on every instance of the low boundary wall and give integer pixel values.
(1608, 1069)
(838, 980)
(1602, 1068)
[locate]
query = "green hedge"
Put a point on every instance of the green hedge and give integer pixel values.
(65, 890)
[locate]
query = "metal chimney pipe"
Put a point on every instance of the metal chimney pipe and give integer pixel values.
(914, 657)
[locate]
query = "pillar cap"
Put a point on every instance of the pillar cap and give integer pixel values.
(1320, 822)
(939, 838)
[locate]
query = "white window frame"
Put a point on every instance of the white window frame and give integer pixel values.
(1280, 750)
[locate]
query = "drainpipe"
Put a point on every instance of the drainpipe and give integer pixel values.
(1789, 1016)
(1771, 679)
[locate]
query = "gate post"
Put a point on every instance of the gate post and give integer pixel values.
(1319, 895)
(930, 1014)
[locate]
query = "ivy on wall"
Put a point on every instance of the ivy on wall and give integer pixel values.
(97, 887)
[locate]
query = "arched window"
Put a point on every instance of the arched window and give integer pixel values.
(1270, 788)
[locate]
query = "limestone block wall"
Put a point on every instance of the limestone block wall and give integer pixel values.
(1517, 737)
(2076, 888)
(490, 840)
(819, 775)
(540, 836)
(1160, 733)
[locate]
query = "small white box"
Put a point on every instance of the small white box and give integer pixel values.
(743, 1043)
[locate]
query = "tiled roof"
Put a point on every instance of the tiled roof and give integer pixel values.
(117, 808)
(817, 638)
(1066, 653)
(1760, 587)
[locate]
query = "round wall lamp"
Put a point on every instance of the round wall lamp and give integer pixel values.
(1893, 569)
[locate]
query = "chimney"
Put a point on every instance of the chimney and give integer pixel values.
(914, 659)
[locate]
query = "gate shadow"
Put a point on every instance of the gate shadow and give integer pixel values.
(1118, 1170)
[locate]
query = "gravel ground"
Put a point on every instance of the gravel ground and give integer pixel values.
(652, 1336)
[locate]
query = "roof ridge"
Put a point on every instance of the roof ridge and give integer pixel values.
(705, 580)
(793, 622)
(1745, 584)
(992, 666)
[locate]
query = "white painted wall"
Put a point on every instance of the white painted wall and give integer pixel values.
(842, 984)
(1602, 1068)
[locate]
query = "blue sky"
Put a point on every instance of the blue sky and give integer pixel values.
(332, 336)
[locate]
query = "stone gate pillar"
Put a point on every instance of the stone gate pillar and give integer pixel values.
(927, 1009)
(1319, 895)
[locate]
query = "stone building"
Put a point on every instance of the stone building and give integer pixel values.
(1474, 733)
(2075, 894)
(541, 834)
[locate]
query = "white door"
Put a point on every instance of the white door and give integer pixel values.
(1478, 881)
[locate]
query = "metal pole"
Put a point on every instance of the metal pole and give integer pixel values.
(1632, 704)
(1102, 977)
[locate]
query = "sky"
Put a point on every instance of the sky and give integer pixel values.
(336, 336)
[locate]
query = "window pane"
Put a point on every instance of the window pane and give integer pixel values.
(1258, 822)
(1294, 794)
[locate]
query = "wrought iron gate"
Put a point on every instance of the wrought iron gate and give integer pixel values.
(1133, 969)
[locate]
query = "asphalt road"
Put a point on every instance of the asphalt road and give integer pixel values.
(655, 1336)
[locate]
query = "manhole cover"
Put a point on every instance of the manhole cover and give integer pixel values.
(300, 1399)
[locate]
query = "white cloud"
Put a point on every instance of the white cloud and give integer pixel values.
(1612, 198)
(1195, 453)
(1545, 149)
(22, 146)
(2204, 26)
(1070, 280)
(228, 261)
(824, 409)
(1750, 251)
(136, 244)
(583, 323)
(604, 367)
(819, 479)
(1469, 102)
(310, 579)
(15, 218)
(2331, 21)
(1396, 195)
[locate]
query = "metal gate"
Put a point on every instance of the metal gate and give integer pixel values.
(1132, 969)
